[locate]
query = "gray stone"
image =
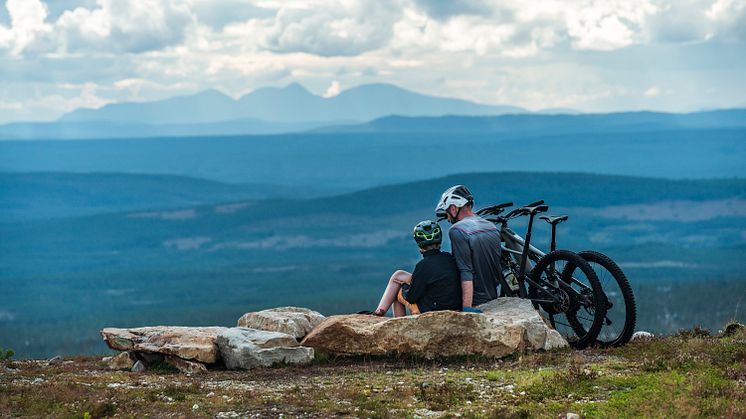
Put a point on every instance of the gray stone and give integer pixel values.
(243, 348)
(294, 321)
(138, 367)
(507, 325)
(642, 335)
(123, 361)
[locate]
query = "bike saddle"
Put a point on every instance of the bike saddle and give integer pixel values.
(554, 219)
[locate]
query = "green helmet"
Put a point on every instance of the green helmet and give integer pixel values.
(427, 232)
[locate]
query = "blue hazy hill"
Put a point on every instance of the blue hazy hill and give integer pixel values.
(551, 123)
(25, 196)
(358, 160)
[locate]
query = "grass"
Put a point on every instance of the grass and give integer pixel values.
(691, 374)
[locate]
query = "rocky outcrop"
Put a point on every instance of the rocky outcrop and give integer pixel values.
(294, 321)
(507, 325)
(243, 348)
(189, 343)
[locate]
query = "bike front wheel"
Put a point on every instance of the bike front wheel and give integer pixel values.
(566, 291)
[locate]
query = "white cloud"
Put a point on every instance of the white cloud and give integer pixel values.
(652, 91)
(338, 28)
(608, 25)
(332, 90)
(27, 23)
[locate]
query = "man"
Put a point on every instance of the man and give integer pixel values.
(475, 243)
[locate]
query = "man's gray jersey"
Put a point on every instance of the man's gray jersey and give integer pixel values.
(475, 243)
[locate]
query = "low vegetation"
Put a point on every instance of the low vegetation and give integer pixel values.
(693, 373)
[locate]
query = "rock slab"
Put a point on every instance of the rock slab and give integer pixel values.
(507, 325)
(294, 321)
(243, 348)
(189, 343)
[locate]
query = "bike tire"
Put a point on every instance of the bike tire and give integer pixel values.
(630, 307)
(582, 337)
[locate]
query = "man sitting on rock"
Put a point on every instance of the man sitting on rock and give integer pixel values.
(434, 284)
(475, 243)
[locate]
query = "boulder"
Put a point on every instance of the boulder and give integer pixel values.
(123, 361)
(507, 325)
(184, 366)
(243, 348)
(294, 321)
(190, 343)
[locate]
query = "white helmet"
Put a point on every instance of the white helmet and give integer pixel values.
(457, 195)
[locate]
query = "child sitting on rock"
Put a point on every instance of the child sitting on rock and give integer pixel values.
(434, 284)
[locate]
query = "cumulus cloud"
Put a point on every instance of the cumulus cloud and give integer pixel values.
(444, 9)
(332, 90)
(125, 26)
(340, 28)
(27, 24)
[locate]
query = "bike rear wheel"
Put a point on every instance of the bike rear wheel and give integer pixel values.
(621, 313)
(577, 311)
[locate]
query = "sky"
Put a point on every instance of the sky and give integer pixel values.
(587, 55)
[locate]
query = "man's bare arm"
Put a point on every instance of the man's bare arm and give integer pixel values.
(467, 293)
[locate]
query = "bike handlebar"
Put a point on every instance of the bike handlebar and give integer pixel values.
(494, 209)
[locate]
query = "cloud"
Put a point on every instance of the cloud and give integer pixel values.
(652, 91)
(133, 26)
(340, 28)
(332, 90)
(445, 9)
(608, 25)
(228, 11)
(27, 24)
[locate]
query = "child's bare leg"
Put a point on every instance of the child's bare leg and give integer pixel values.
(392, 289)
(399, 309)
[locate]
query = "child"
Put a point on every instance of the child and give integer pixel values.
(434, 284)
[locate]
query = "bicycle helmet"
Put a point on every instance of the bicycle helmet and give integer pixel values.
(427, 233)
(457, 195)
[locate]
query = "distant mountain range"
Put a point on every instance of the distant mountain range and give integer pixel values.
(264, 111)
(291, 104)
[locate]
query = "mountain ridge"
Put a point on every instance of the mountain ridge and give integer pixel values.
(291, 103)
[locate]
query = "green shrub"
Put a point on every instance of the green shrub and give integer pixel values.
(6, 354)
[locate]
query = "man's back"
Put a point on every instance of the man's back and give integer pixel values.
(475, 243)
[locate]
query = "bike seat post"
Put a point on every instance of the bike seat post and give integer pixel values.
(553, 245)
(526, 246)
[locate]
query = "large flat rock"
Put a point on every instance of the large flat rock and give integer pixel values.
(243, 348)
(508, 325)
(189, 343)
(294, 321)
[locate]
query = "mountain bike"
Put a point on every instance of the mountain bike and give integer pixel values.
(619, 321)
(561, 284)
